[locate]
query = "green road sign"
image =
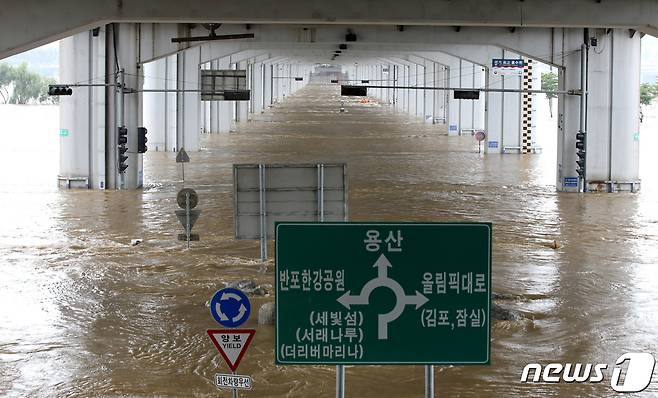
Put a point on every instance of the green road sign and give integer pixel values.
(383, 293)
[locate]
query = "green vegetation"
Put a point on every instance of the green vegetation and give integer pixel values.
(549, 82)
(648, 92)
(20, 86)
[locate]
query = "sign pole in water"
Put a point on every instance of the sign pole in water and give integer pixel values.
(187, 200)
(340, 381)
(231, 308)
(187, 218)
(182, 157)
(234, 393)
(479, 137)
(429, 381)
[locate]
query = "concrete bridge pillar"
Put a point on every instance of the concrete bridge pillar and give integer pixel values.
(214, 106)
(130, 114)
(257, 92)
(268, 86)
(454, 80)
(155, 104)
(613, 109)
(243, 106)
(503, 116)
(441, 96)
(224, 111)
(188, 103)
(82, 115)
(428, 96)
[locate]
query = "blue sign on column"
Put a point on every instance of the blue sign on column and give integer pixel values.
(571, 182)
(230, 307)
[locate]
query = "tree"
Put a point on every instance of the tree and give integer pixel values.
(25, 86)
(648, 92)
(6, 78)
(549, 82)
(44, 98)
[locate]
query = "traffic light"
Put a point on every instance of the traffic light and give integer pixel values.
(123, 136)
(56, 89)
(580, 152)
(123, 140)
(141, 139)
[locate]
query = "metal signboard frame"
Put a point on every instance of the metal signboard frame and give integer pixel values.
(295, 192)
(224, 85)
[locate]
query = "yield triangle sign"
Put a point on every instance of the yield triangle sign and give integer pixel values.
(182, 156)
(194, 215)
(232, 344)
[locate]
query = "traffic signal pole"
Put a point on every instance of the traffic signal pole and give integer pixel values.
(582, 178)
(119, 93)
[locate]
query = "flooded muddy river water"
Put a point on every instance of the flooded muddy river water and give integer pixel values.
(84, 313)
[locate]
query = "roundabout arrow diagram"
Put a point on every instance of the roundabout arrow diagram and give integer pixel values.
(382, 280)
(241, 312)
(222, 316)
(230, 307)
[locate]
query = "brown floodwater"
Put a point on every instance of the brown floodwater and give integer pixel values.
(84, 313)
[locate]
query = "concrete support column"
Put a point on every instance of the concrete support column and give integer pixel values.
(154, 104)
(258, 93)
(428, 96)
(479, 73)
(82, 116)
(494, 115)
(440, 96)
(223, 108)
(188, 103)
(454, 80)
(380, 81)
(170, 116)
(612, 113)
(243, 106)
(419, 81)
(503, 119)
(214, 106)
(205, 108)
(399, 94)
(390, 82)
(123, 109)
(466, 106)
(268, 83)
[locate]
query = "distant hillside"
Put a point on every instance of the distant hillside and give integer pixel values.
(43, 60)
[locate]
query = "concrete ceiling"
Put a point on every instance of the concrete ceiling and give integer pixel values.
(26, 24)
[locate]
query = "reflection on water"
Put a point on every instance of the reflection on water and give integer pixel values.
(84, 313)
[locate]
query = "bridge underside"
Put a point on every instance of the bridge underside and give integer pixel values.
(162, 88)
(30, 23)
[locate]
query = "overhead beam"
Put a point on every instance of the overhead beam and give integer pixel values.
(30, 23)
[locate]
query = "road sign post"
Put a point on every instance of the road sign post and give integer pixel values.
(429, 381)
(187, 200)
(383, 293)
(232, 344)
(182, 157)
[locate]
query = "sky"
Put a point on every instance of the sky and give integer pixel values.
(649, 59)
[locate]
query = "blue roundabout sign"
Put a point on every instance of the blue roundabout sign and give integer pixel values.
(230, 307)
